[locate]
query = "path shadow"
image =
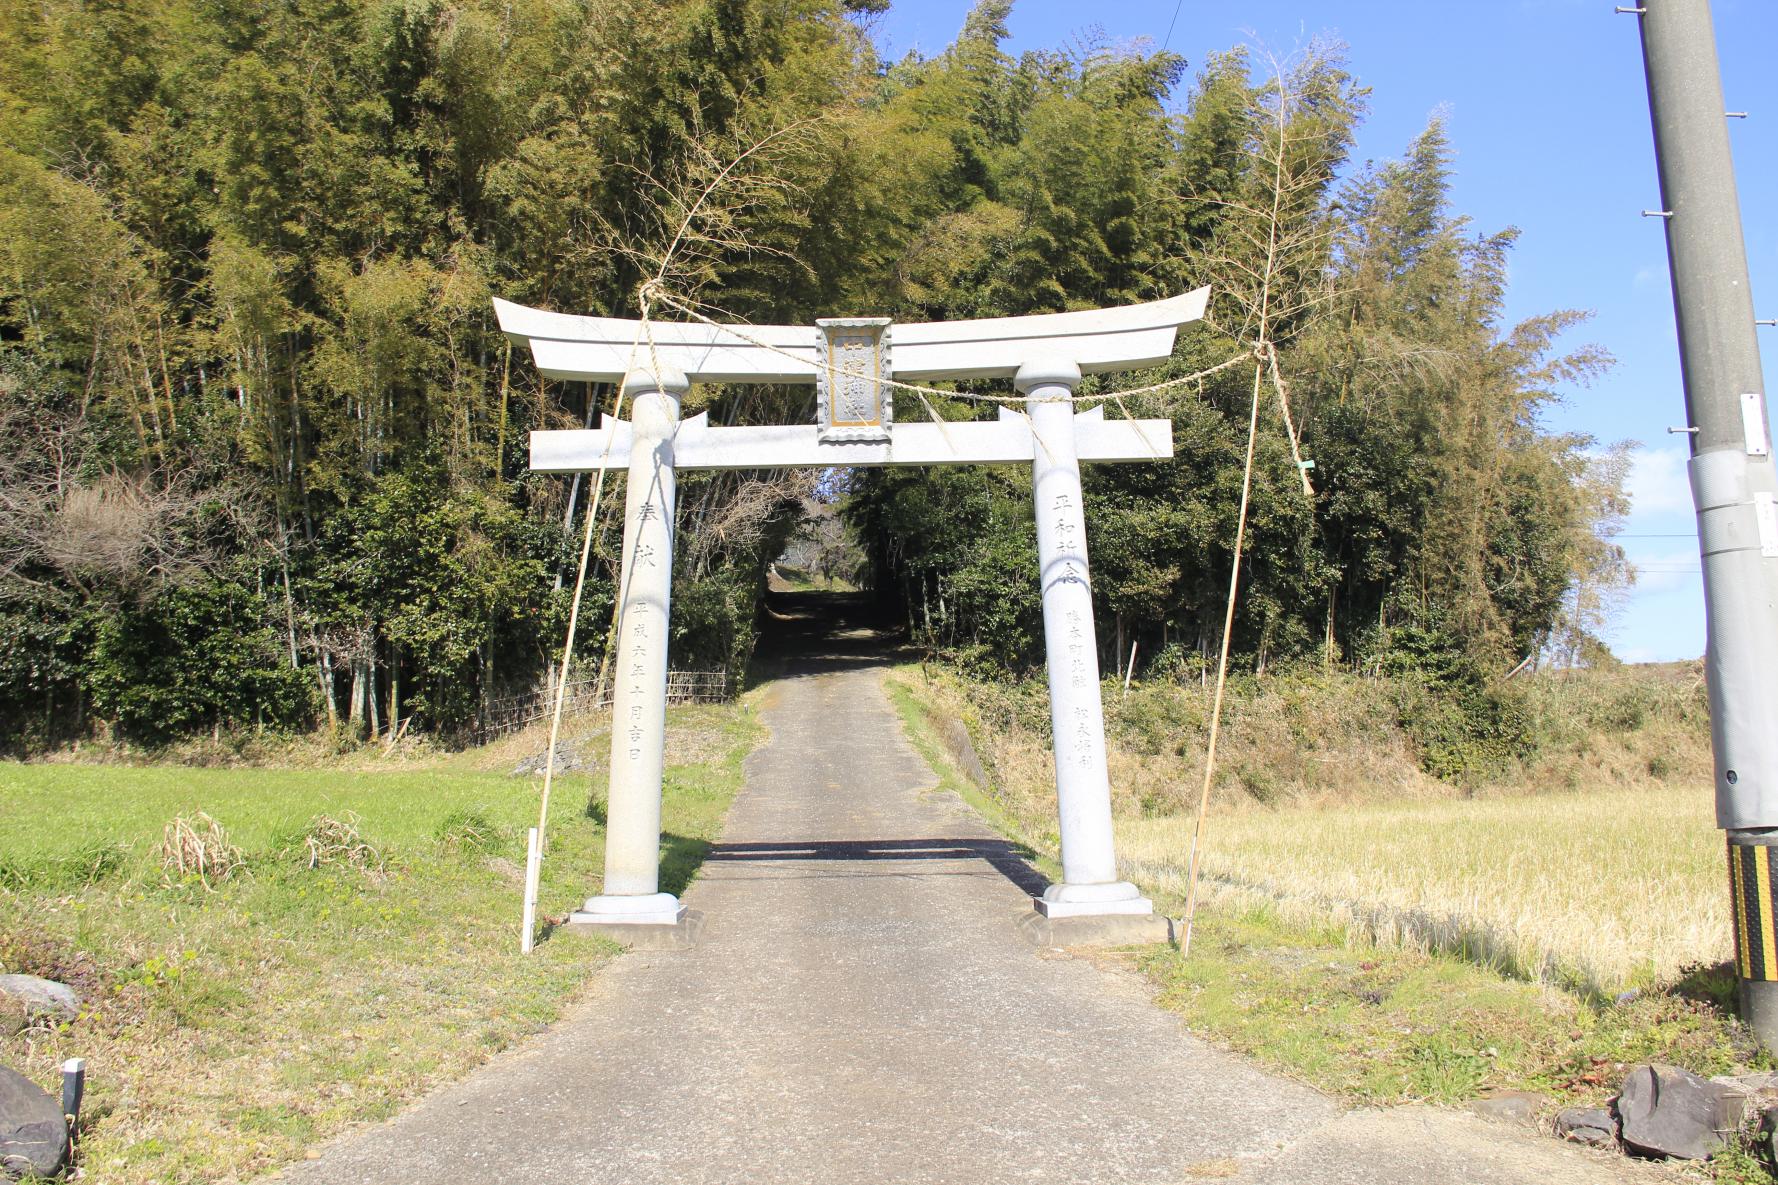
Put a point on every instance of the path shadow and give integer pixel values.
(1010, 860)
(816, 633)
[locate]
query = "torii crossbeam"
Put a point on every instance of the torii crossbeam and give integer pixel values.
(846, 358)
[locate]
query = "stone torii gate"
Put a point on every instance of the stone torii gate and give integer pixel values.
(1045, 355)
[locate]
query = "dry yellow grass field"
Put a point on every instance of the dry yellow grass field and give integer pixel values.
(1604, 890)
(1594, 862)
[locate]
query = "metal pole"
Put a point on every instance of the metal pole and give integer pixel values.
(1732, 477)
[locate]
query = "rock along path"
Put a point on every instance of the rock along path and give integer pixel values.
(861, 1009)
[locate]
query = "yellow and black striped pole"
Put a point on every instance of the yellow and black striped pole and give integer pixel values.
(1751, 881)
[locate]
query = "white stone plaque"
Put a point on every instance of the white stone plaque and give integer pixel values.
(853, 402)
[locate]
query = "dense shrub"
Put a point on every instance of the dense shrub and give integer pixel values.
(195, 657)
(39, 675)
(1465, 728)
(713, 623)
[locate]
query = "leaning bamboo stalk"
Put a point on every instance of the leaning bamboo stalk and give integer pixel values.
(1222, 671)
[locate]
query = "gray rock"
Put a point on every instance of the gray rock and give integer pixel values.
(1665, 1111)
(569, 759)
(1511, 1106)
(1766, 1080)
(1592, 1126)
(1746, 1095)
(33, 1134)
(41, 997)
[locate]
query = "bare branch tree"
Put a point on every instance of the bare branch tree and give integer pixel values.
(696, 214)
(66, 523)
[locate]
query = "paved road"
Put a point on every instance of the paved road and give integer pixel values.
(862, 1010)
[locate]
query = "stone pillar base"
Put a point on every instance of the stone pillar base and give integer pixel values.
(682, 933)
(1074, 901)
(1105, 929)
(647, 909)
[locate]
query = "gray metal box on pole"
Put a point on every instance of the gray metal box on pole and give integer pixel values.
(1732, 476)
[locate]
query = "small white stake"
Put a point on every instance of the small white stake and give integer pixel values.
(73, 1091)
(1132, 669)
(533, 875)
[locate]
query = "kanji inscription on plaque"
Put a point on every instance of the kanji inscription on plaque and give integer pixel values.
(854, 402)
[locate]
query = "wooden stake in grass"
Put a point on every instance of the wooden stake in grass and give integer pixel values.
(1288, 283)
(533, 874)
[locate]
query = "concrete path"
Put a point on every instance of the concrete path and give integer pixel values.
(862, 1010)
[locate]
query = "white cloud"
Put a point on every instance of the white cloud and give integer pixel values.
(1658, 482)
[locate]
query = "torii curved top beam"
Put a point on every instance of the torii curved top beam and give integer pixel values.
(565, 346)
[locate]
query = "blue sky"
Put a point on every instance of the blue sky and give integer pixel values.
(1546, 107)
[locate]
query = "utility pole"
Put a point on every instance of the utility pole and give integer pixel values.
(1732, 477)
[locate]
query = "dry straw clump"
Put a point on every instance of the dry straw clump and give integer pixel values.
(198, 847)
(337, 841)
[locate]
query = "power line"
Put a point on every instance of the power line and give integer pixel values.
(1168, 39)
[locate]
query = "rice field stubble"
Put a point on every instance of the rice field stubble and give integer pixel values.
(1595, 864)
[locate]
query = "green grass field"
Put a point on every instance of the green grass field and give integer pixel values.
(229, 1028)
(1383, 1024)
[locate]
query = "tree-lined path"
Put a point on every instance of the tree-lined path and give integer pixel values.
(861, 1008)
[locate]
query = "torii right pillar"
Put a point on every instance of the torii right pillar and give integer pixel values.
(1090, 904)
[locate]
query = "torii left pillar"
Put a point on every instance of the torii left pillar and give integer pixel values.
(631, 895)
